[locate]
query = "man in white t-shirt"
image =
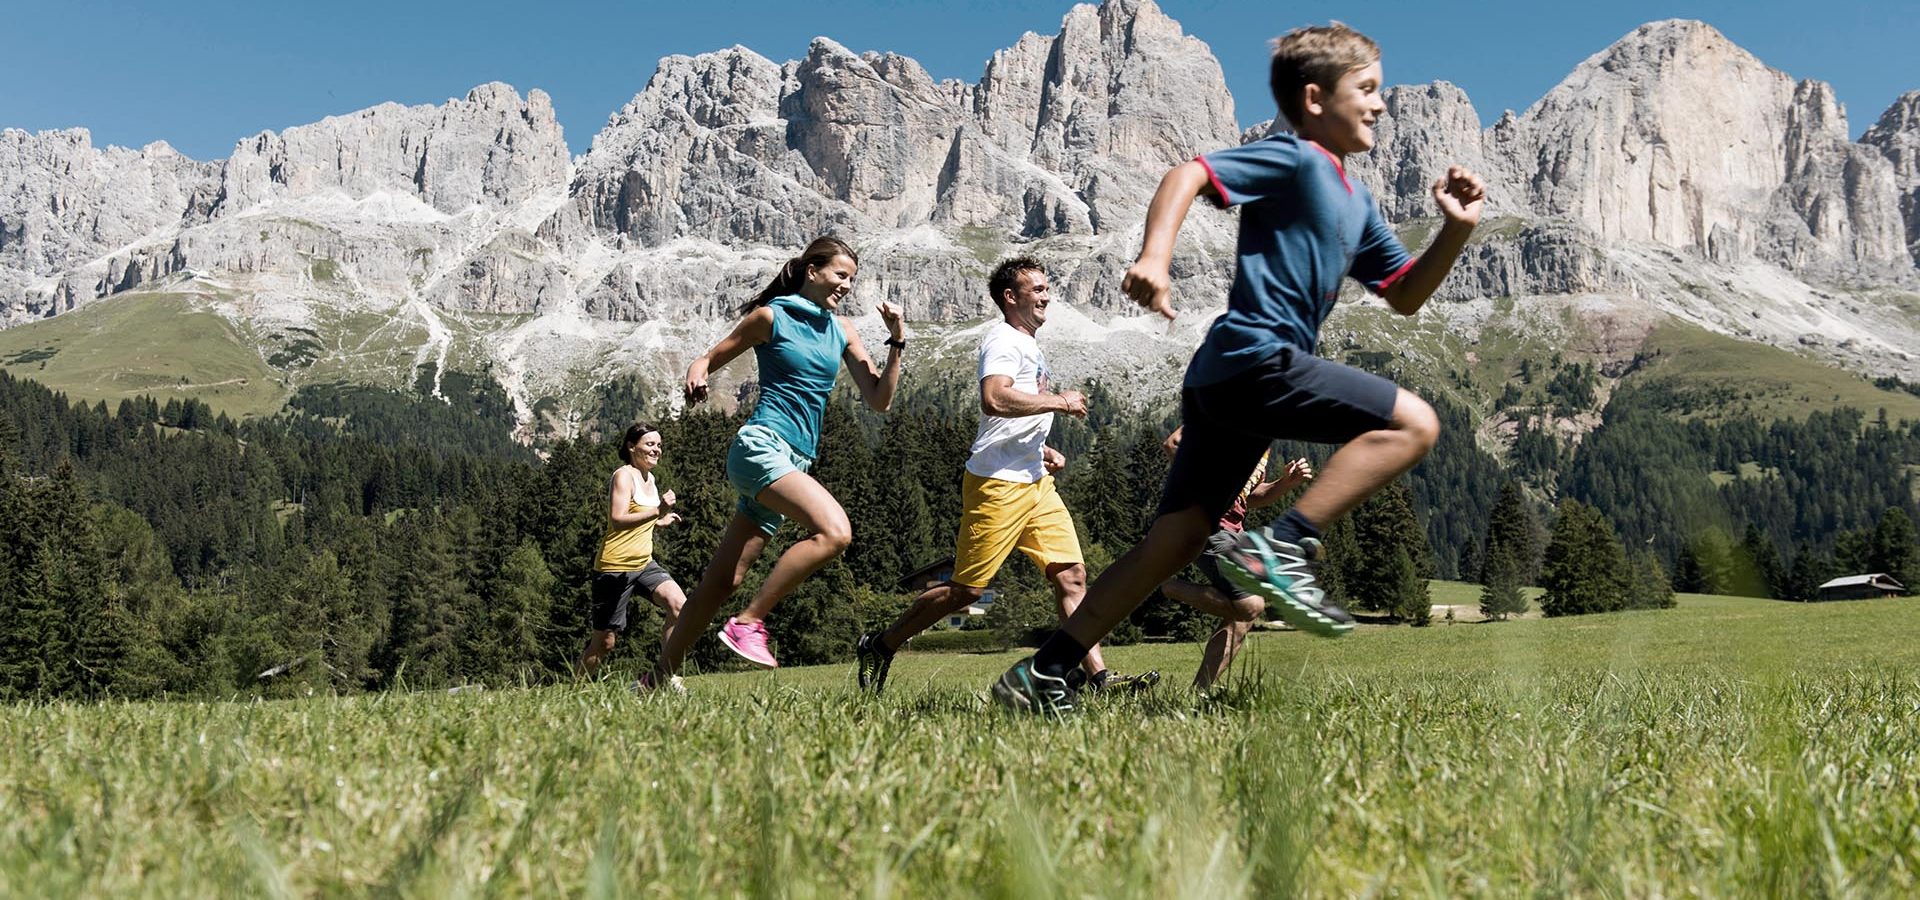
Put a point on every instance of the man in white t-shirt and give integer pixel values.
(1008, 497)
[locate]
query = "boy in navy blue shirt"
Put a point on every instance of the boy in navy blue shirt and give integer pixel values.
(1303, 226)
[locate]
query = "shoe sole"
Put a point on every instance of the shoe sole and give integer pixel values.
(775, 664)
(872, 685)
(1009, 698)
(1304, 616)
(1017, 701)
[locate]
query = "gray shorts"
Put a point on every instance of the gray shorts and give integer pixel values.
(612, 591)
(1209, 563)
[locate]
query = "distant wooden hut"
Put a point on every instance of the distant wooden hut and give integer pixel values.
(1862, 587)
(918, 580)
(939, 572)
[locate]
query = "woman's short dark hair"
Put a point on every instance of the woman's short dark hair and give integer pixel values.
(635, 432)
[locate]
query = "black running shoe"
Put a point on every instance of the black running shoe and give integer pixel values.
(1025, 689)
(872, 660)
(1282, 574)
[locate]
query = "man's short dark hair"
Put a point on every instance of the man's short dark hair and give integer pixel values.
(1006, 276)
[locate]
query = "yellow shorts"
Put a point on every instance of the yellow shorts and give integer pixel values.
(1002, 515)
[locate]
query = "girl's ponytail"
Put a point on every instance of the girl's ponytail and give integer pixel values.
(794, 273)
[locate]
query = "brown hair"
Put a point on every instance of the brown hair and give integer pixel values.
(1006, 276)
(1316, 54)
(635, 432)
(794, 273)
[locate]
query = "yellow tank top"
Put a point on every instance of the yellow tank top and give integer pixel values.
(630, 549)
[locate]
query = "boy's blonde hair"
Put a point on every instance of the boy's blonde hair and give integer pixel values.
(1316, 54)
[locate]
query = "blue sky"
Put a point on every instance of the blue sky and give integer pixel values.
(201, 74)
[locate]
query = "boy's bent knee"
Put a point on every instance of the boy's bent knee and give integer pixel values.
(1416, 419)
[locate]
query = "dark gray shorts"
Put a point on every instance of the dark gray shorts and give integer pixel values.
(1290, 395)
(1209, 563)
(612, 591)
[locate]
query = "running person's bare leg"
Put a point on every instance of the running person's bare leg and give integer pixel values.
(1069, 588)
(798, 496)
(739, 546)
(1173, 541)
(933, 604)
(1222, 647)
(1369, 462)
(671, 600)
(599, 644)
(1210, 601)
(1238, 615)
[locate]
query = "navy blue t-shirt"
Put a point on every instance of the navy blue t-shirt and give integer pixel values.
(1303, 226)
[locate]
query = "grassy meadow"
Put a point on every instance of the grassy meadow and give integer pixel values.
(163, 345)
(1729, 747)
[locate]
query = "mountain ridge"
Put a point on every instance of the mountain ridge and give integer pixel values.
(471, 222)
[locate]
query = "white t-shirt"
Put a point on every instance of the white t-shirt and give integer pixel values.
(1009, 449)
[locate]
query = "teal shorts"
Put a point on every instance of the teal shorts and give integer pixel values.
(757, 458)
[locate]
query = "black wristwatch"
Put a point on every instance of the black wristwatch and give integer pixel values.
(897, 342)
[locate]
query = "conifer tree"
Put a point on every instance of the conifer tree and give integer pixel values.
(1500, 573)
(427, 603)
(1512, 529)
(1411, 601)
(1585, 569)
(1648, 586)
(1381, 525)
(1707, 565)
(1756, 569)
(517, 614)
(1853, 553)
(1894, 549)
(1804, 577)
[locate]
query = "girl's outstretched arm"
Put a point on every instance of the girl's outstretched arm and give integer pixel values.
(756, 328)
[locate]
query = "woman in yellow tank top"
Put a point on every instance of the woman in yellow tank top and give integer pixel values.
(635, 508)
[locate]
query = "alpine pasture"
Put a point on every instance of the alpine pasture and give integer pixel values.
(1729, 747)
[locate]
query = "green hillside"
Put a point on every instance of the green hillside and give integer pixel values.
(165, 345)
(1725, 377)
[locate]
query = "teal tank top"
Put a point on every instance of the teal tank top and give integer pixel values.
(797, 368)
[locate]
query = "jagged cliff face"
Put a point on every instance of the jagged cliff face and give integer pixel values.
(1897, 137)
(1672, 136)
(491, 150)
(1670, 172)
(1063, 137)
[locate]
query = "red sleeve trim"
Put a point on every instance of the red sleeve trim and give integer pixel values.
(1337, 166)
(1388, 281)
(1220, 190)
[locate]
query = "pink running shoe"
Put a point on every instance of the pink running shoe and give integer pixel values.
(749, 639)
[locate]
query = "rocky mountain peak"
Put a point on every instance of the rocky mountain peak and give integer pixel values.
(1670, 46)
(1668, 154)
(1897, 137)
(491, 148)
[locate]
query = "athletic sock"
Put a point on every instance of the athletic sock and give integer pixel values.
(1292, 527)
(1059, 655)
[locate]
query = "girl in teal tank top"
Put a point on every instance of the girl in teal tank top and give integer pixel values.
(799, 344)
